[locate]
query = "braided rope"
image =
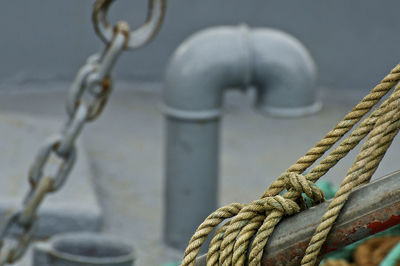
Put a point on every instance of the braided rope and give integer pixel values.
(348, 144)
(359, 173)
(212, 255)
(206, 228)
(296, 184)
(314, 174)
(230, 243)
(344, 126)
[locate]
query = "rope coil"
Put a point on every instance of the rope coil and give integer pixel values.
(257, 220)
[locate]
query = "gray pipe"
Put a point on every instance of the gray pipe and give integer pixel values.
(276, 64)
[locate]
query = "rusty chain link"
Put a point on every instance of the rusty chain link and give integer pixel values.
(87, 97)
(140, 36)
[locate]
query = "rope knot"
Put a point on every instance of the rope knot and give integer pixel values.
(301, 184)
(279, 203)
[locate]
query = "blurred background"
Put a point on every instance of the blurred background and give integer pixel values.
(352, 42)
(43, 43)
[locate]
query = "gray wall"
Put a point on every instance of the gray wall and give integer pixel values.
(353, 42)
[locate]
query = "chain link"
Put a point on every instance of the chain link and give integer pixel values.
(13, 249)
(6, 253)
(88, 95)
(141, 35)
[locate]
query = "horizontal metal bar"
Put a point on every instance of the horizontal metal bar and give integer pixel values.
(370, 209)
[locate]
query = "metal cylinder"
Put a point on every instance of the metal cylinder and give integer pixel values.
(79, 249)
(190, 146)
(202, 67)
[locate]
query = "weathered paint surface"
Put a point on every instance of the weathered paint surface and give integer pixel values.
(377, 227)
(343, 234)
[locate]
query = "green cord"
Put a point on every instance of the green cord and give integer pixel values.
(328, 189)
(393, 257)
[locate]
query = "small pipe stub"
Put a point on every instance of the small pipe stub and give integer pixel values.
(79, 249)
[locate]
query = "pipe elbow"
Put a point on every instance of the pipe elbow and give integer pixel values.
(212, 60)
(284, 75)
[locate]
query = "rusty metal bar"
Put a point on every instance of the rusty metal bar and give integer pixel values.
(370, 209)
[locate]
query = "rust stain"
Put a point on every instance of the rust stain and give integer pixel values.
(288, 256)
(342, 235)
(376, 227)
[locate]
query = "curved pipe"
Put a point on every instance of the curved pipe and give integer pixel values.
(276, 64)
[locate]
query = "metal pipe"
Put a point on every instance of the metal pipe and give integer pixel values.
(276, 64)
(370, 209)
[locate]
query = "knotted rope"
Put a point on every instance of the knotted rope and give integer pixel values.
(258, 219)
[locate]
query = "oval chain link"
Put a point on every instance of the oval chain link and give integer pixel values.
(140, 36)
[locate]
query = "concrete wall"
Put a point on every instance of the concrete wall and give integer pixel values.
(353, 42)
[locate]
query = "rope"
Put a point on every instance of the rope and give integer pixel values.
(360, 172)
(375, 250)
(230, 244)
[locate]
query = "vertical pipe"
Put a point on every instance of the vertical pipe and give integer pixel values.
(195, 79)
(192, 148)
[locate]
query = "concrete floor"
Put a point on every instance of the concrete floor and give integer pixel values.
(125, 149)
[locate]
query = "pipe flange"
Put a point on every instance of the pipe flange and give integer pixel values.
(210, 114)
(290, 112)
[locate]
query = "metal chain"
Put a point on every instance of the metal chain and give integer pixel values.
(87, 97)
